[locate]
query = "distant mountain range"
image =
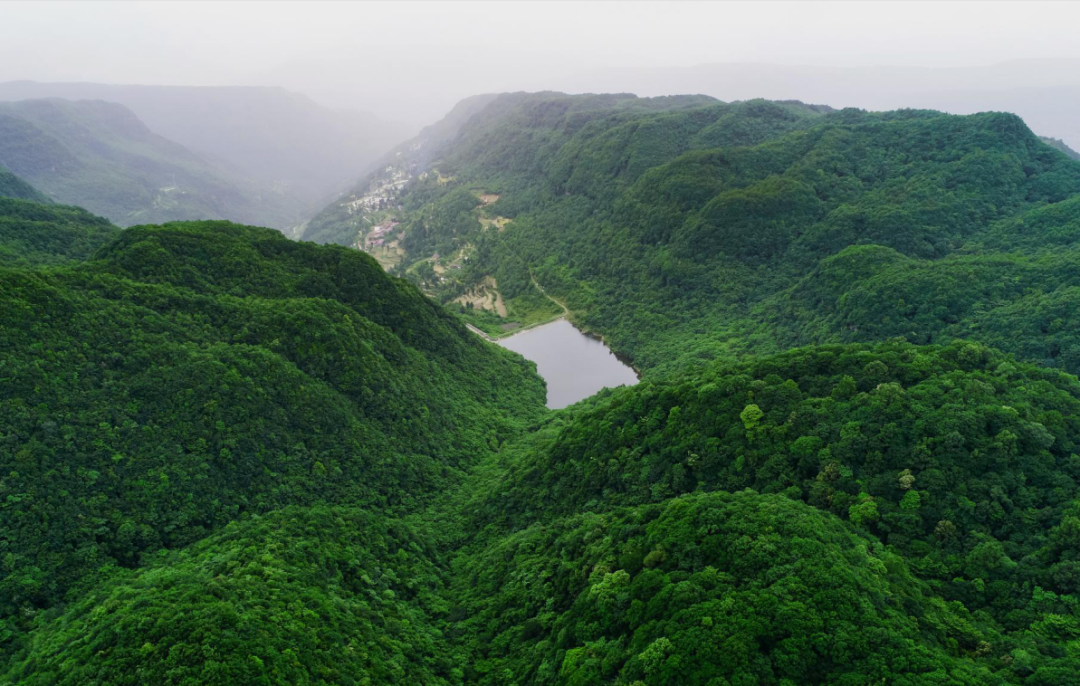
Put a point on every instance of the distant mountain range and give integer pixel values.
(1045, 93)
(229, 457)
(12, 186)
(296, 152)
(98, 155)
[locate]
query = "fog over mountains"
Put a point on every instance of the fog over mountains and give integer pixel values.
(275, 156)
(1045, 92)
(272, 135)
(293, 296)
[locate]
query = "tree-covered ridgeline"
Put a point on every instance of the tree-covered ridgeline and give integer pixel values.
(191, 374)
(689, 230)
(232, 458)
(100, 156)
(12, 186)
(34, 234)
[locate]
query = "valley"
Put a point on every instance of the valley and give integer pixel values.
(414, 446)
(278, 140)
(599, 237)
(141, 154)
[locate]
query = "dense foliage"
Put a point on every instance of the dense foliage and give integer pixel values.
(301, 596)
(33, 234)
(960, 461)
(12, 186)
(193, 373)
(685, 230)
(226, 457)
(1060, 145)
(919, 529)
(711, 589)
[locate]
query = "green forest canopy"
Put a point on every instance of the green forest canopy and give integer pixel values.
(188, 375)
(12, 186)
(916, 523)
(33, 234)
(686, 231)
(233, 458)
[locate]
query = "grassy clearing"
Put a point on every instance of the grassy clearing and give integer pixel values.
(522, 312)
(388, 256)
(498, 222)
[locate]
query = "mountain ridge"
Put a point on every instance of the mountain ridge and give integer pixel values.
(100, 155)
(232, 457)
(650, 223)
(276, 136)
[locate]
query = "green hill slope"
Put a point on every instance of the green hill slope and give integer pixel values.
(703, 588)
(960, 460)
(708, 589)
(195, 373)
(320, 595)
(692, 230)
(99, 156)
(913, 522)
(33, 234)
(12, 186)
(228, 458)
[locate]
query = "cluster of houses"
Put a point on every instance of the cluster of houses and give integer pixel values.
(380, 197)
(379, 234)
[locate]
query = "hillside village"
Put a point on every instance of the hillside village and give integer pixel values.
(380, 222)
(374, 214)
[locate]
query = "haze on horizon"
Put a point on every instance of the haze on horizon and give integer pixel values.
(410, 62)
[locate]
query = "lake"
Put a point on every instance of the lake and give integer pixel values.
(574, 365)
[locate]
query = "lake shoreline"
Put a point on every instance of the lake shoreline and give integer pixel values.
(625, 359)
(510, 334)
(574, 363)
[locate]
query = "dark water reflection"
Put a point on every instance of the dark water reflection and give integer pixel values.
(574, 365)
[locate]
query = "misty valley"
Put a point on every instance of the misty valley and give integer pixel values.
(376, 364)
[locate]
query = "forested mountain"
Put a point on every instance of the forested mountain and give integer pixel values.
(621, 542)
(100, 156)
(228, 457)
(282, 139)
(1060, 145)
(12, 186)
(190, 375)
(685, 230)
(34, 234)
(487, 116)
(357, 210)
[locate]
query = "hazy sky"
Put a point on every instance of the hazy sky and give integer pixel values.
(390, 57)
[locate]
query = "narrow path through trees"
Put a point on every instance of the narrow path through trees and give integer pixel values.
(565, 309)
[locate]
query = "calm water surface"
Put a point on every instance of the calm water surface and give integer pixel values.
(574, 365)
